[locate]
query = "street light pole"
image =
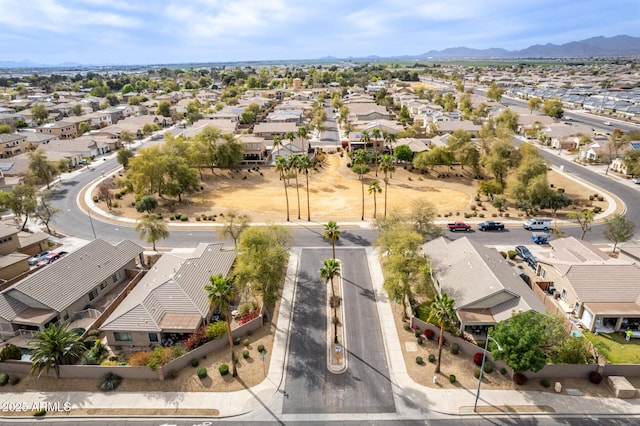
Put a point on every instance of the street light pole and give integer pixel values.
(91, 222)
(484, 357)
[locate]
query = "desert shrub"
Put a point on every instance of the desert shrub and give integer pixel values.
(519, 379)
(223, 369)
(95, 199)
(407, 326)
(139, 359)
(503, 254)
(597, 209)
(14, 379)
(159, 356)
(198, 219)
(170, 375)
(477, 358)
(177, 351)
(503, 371)
(195, 362)
(10, 351)
(216, 330)
(419, 360)
(417, 332)
(245, 354)
(600, 198)
(236, 341)
(184, 218)
(201, 372)
(245, 342)
(39, 412)
(455, 348)
(261, 348)
(109, 381)
(595, 377)
(428, 333)
(419, 340)
(432, 358)
(488, 366)
(512, 254)
(476, 373)
(4, 379)
(452, 378)
(545, 383)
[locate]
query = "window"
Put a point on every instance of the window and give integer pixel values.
(93, 294)
(103, 284)
(563, 294)
(153, 337)
(123, 336)
(116, 277)
(542, 272)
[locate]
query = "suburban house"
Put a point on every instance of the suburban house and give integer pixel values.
(600, 292)
(12, 144)
(255, 150)
(62, 129)
(269, 130)
(68, 289)
(170, 302)
(86, 146)
(484, 286)
(15, 248)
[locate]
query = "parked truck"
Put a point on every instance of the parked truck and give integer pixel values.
(458, 226)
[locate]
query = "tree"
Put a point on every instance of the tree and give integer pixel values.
(521, 338)
(534, 103)
(181, 178)
(390, 139)
(374, 188)
(553, 108)
(509, 119)
(41, 168)
(193, 111)
(376, 134)
(83, 127)
(123, 156)
(164, 109)
(438, 156)
(403, 153)
(39, 113)
(332, 233)
(229, 153)
(490, 188)
(494, 92)
(305, 166)
(234, 224)
(294, 167)
(387, 166)
(222, 294)
(302, 134)
(443, 314)
(152, 228)
(21, 200)
(127, 137)
(360, 165)
(618, 229)
(584, 219)
(282, 167)
(331, 269)
(148, 203)
(45, 211)
(55, 346)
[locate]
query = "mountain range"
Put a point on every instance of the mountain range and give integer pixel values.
(595, 47)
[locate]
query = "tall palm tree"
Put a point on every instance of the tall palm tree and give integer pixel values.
(222, 293)
(291, 137)
(377, 135)
(305, 166)
(277, 143)
(365, 137)
(331, 269)
(282, 167)
(152, 229)
(390, 139)
(386, 164)
(374, 188)
(302, 134)
(294, 167)
(443, 314)
(332, 233)
(55, 346)
(361, 167)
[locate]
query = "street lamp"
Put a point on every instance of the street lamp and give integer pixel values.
(484, 357)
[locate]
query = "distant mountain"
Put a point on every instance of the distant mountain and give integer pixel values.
(622, 45)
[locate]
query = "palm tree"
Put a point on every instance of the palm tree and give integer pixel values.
(386, 164)
(390, 139)
(376, 136)
(365, 137)
(374, 188)
(361, 167)
(332, 233)
(294, 166)
(291, 137)
(305, 165)
(302, 134)
(152, 228)
(55, 346)
(277, 143)
(282, 166)
(222, 293)
(443, 314)
(330, 269)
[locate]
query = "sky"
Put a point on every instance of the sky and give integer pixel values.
(142, 32)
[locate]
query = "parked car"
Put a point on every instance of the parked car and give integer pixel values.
(50, 258)
(636, 181)
(33, 260)
(458, 226)
(537, 224)
(490, 225)
(607, 123)
(519, 272)
(523, 252)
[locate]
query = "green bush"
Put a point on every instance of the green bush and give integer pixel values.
(195, 362)
(184, 218)
(245, 342)
(417, 332)
(39, 412)
(236, 341)
(95, 199)
(488, 366)
(455, 348)
(476, 373)
(216, 330)
(597, 209)
(10, 351)
(432, 358)
(407, 326)
(201, 372)
(419, 340)
(512, 254)
(4, 379)
(452, 378)
(223, 369)
(245, 354)
(545, 383)
(109, 381)
(419, 360)
(261, 348)
(14, 379)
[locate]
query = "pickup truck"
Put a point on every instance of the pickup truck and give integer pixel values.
(490, 225)
(458, 226)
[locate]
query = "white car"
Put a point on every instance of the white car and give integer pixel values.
(636, 181)
(607, 123)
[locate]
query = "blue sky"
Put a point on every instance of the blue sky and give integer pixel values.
(177, 31)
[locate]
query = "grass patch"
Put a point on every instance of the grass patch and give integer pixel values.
(615, 348)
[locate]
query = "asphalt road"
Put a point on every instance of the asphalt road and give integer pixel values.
(365, 387)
